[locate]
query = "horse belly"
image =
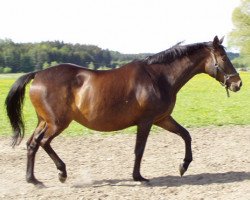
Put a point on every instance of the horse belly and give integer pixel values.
(102, 116)
(105, 123)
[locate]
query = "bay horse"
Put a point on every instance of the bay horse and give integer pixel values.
(141, 93)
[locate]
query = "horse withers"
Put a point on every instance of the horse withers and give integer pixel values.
(141, 93)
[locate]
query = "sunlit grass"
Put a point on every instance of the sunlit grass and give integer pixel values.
(201, 102)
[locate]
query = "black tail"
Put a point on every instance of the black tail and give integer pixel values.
(14, 105)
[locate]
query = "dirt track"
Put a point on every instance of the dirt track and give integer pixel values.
(99, 167)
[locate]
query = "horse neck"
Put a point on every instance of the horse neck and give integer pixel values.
(179, 72)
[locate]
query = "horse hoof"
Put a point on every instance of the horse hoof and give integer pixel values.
(40, 185)
(62, 175)
(140, 178)
(182, 170)
(34, 181)
(62, 178)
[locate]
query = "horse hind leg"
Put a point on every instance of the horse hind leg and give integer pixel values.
(42, 136)
(52, 131)
(32, 147)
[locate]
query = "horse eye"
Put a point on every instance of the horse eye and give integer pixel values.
(224, 58)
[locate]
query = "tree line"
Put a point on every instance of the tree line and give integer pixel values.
(25, 57)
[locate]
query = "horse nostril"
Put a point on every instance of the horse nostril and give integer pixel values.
(240, 84)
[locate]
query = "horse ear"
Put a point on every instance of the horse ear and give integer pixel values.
(221, 40)
(216, 41)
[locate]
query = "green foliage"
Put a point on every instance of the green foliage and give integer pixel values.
(240, 36)
(5, 70)
(201, 102)
(119, 59)
(240, 62)
(25, 57)
(47, 65)
(91, 65)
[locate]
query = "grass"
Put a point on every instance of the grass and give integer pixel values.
(201, 102)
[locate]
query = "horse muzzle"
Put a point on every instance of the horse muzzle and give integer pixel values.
(235, 86)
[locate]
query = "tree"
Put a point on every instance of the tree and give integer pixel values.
(240, 36)
(7, 70)
(46, 65)
(26, 63)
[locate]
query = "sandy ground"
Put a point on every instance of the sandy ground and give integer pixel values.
(100, 166)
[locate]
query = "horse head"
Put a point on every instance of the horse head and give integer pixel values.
(220, 67)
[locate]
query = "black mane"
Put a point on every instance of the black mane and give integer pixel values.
(175, 52)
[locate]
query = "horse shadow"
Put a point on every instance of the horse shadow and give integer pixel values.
(177, 181)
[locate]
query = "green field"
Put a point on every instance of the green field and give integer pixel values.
(204, 102)
(201, 102)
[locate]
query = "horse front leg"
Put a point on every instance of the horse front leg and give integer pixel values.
(171, 125)
(141, 139)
